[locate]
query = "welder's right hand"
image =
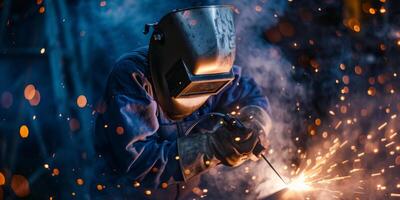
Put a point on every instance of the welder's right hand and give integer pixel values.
(257, 119)
(231, 144)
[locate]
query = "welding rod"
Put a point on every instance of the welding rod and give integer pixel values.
(276, 172)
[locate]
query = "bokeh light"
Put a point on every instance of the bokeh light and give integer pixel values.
(24, 131)
(120, 130)
(20, 186)
(80, 181)
(36, 99)
(6, 99)
(42, 9)
(81, 101)
(74, 124)
(2, 179)
(99, 187)
(29, 92)
(56, 172)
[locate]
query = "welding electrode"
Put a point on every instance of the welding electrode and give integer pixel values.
(258, 152)
(272, 167)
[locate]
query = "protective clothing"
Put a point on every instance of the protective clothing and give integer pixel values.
(228, 142)
(256, 118)
(136, 142)
(191, 54)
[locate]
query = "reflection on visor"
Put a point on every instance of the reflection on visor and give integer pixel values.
(182, 83)
(203, 88)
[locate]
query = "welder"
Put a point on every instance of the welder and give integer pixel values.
(177, 108)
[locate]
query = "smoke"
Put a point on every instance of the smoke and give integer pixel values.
(266, 64)
(117, 25)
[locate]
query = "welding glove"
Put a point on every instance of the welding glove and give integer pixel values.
(257, 119)
(230, 144)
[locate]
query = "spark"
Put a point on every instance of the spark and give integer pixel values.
(376, 174)
(334, 179)
(382, 126)
(355, 170)
(344, 143)
(338, 125)
(299, 184)
(389, 144)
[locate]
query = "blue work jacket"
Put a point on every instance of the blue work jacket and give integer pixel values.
(136, 143)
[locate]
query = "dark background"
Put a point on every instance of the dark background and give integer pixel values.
(319, 46)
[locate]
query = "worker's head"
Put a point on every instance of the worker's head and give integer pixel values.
(191, 54)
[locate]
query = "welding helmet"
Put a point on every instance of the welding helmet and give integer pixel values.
(191, 54)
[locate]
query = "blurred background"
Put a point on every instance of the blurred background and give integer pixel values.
(329, 67)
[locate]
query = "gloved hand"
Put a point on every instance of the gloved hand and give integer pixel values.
(230, 144)
(257, 119)
(233, 143)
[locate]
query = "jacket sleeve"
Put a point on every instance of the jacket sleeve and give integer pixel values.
(130, 127)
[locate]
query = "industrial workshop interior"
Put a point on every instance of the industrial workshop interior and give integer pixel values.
(190, 100)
